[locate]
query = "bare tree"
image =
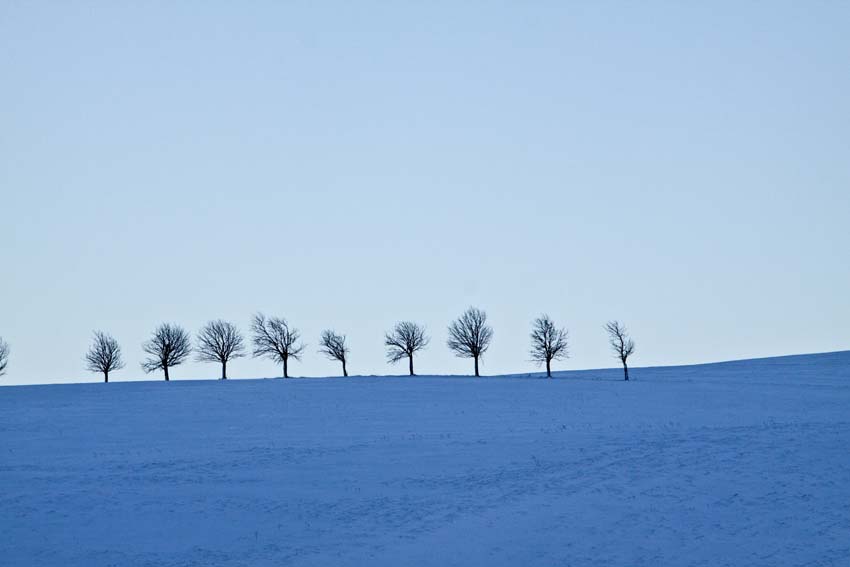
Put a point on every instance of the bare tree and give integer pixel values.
(470, 335)
(104, 355)
(4, 356)
(220, 341)
(273, 338)
(169, 346)
(405, 340)
(548, 343)
(333, 346)
(622, 345)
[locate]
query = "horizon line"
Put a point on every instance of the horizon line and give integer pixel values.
(428, 375)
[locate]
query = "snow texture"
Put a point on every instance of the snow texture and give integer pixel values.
(744, 463)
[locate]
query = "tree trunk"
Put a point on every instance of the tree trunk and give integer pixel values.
(224, 370)
(344, 371)
(106, 376)
(285, 368)
(548, 368)
(626, 370)
(410, 356)
(165, 369)
(476, 367)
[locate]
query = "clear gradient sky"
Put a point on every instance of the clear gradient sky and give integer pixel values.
(683, 167)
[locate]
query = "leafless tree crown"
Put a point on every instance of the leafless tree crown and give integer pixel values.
(104, 355)
(275, 339)
(405, 340)
(219, 341)
(4, 356)
(333, 346)
(470, 335)
(621, 344)
(169, 346)
(548, 342)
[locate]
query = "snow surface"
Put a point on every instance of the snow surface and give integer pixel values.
(743, 463)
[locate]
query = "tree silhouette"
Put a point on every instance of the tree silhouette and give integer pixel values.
(104, 355)
(470, 335)
(4, 356)
(274, 339)
(332, 345)
(622, 345)
(405, 340)
(220, 341)
(169, 346)
(548, 343)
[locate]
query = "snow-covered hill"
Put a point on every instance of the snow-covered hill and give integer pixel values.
(741, 463)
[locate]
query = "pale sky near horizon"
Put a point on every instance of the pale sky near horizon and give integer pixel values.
(682, 167)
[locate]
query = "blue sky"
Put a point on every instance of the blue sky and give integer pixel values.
(683, 168)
